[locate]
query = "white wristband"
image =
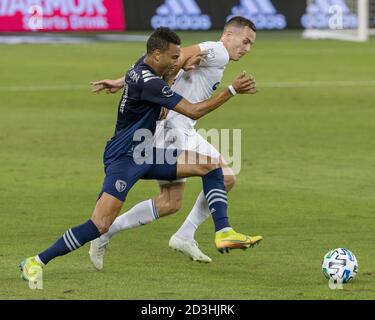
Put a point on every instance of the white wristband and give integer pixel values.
(232, 91)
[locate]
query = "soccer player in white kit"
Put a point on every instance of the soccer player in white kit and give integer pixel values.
(194, 85)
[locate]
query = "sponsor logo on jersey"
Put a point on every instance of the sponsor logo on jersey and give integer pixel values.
(180, 15)
(262, 12)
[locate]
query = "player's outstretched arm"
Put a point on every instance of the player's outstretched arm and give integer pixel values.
(108, 85)
(242, 84)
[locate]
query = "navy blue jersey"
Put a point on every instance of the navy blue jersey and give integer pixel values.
(142, 99)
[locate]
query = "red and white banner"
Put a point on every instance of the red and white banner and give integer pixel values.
(61, 15)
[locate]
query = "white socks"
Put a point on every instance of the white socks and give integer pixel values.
(141, 214)
(198, 214)
(145, 212)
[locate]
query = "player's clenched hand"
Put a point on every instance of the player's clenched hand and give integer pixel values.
(109, 86)
(245, 84)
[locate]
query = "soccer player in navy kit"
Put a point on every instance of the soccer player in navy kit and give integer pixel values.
(128, 157)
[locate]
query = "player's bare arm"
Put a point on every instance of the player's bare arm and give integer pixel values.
(108, 85)
(242, 84)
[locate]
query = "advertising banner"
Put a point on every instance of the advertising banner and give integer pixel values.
(212, 14)
(61, 15)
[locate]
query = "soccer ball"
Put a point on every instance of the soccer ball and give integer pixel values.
(340, 265)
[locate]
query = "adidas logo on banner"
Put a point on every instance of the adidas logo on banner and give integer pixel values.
(261, 12)
(320, 12)
(180, 15)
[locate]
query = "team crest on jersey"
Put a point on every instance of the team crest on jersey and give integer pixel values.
(167, 92)
(120, 185)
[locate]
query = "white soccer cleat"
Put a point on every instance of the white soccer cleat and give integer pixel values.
(97, 251)
(188, 247)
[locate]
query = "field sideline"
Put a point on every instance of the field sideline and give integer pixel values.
(306, 184)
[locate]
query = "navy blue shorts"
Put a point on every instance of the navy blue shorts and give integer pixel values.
(123, 173)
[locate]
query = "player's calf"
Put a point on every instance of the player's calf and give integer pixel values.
(229, 180)
(229, 176)
(213, 184)
(166, 207)
(170, 199)
(106, 210)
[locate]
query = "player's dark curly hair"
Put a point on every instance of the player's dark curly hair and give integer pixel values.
(161, 38)
(239, 21)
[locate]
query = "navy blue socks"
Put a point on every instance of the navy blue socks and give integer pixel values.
(214, 190)
(71, 240)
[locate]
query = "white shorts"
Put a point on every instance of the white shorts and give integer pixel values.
(184, 140)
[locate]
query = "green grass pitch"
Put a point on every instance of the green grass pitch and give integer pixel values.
(306, 184)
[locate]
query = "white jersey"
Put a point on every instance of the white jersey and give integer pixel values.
(199, 84)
